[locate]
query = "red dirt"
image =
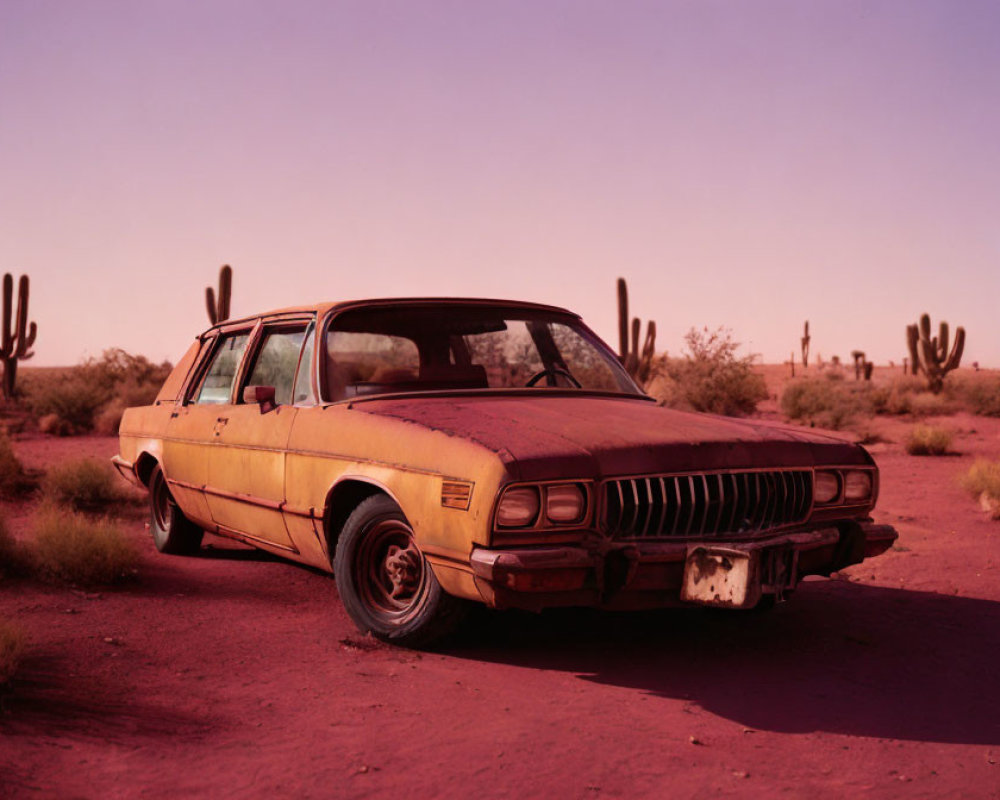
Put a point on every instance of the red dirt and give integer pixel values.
(236, 674)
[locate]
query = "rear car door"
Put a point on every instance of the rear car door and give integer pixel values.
(246, 467)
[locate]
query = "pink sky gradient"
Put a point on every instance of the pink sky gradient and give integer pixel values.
(742, 164)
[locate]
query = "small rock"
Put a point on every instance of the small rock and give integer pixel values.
(739, 773)
(695, 740)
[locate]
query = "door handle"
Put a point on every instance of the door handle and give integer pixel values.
(220, 423)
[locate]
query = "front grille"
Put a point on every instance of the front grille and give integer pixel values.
(705, 503)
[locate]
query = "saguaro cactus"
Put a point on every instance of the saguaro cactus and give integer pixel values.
(218, 310)
(805, 346)
(639, 364)
(931, 355)
(862, 366)
(16, 335)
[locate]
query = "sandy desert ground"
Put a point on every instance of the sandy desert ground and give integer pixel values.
(234, 674)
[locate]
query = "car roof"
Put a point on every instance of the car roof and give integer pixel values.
(321, 309)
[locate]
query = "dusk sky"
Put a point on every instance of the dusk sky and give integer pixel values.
(747, 164)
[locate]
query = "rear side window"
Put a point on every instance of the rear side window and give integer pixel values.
(217, 383)
(276, 362)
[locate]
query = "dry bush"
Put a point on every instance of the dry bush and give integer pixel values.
(832, 404)
(78, 549)
(81, 484)
(13, 643)
(710, 377)
(14, 560)
(909, 395)
(928, 404)
(983, 481)
(980, 394)
(14, 481)
(896, 397)
(928, 440)
(93, 394)
(64, 402)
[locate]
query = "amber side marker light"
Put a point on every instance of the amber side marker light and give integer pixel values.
(456, 494)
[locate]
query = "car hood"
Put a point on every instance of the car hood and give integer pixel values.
(554, 435)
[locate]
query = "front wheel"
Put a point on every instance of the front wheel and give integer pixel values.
(173, 533)
(386, 584)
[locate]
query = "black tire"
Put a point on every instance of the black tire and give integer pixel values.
(173, 533)
(386, 584)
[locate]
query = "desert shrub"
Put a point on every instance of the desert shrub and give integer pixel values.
(662, 386)
(13, 558)
(81, 484)
(828, 404)
(896, 397)
(928, 440)
(927, 404)
(94, 393)
(13, 478)
(980, 394)
(711, 377)
(983, 481)
(109, 418)
(13, 643)
(78, 549)
(65, 401)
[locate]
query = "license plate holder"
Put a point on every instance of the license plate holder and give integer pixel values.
(734, 577)
(721, 576)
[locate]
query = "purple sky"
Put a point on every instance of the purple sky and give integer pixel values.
(742, 164)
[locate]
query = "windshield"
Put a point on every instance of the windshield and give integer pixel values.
(433, 348)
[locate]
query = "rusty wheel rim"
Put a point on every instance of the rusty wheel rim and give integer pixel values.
(161, 503)
(390, 572)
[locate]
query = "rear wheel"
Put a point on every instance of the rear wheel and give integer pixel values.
(173, 533)
(386, 584)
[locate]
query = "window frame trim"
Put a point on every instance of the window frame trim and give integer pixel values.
(198, 375)
(261, 331)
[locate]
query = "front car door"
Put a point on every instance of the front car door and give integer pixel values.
(191, 430)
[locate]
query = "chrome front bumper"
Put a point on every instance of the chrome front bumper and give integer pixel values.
(612, 574)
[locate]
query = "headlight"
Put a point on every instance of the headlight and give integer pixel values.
(518, 507)
(857, 485)
(826, 487)
(565, 503)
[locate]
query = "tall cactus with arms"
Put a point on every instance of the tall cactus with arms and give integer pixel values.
(16, 335)
(931, 355)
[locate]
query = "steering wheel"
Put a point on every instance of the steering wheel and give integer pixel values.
(553, 372)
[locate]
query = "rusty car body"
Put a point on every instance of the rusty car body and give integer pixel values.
(431, 452)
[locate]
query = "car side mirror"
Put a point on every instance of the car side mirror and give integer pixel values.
(263, 396)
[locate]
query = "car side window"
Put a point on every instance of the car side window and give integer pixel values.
(276, 361)
(217, 383)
